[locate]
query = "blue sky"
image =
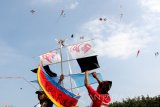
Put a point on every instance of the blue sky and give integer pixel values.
(131, 25)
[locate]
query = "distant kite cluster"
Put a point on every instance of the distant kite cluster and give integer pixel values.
(156, 53)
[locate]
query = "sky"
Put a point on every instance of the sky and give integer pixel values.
(127, 26)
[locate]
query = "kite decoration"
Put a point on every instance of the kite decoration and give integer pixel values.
(88, 63)
(48, 71)
(50, 58)
(79, 79)
(81, 50)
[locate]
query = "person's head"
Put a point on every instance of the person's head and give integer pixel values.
(104, 87)
(41, 95)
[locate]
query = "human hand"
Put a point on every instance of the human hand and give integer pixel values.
(61, 77)
(94, 74)
(86, 72)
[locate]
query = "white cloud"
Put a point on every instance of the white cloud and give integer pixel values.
(151, 10)
(151, 5)
(94, 27)
(151, 15)
(115, 40)
(73, 5)
(69, 4)
(35, 2)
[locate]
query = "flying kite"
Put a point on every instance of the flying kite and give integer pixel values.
(32, 11)
(138, 53)
(156, 54)
(72, 36)
(81, 37)
(102, 19)
(121, 14)
(62, 13)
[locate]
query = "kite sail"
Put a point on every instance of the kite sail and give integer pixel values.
(50, 58)
(79, 79)
(88, 63)
(81, 50)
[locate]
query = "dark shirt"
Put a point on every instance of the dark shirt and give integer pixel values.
(46, 103)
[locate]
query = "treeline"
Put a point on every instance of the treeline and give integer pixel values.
(140, 101)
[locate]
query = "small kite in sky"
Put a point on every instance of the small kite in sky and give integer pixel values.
(32, 11)
(102, 19)
(138, 53)
(62, 13)
(121, 13)
(121, 16)
(81, 37)
(72, 36)
(156, 54)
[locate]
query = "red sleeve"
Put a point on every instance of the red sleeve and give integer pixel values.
(91, 90)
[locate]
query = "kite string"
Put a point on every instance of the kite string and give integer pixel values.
(22, 78)
(29, 83)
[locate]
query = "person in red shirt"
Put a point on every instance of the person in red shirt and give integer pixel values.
(99, 97)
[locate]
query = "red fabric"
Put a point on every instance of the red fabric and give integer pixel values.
(56, 95)
(98, 99)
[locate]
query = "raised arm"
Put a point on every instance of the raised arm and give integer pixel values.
(86, 82)
(94, 74)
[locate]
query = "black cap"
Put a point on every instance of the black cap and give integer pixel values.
(88, 63)
(39, 92)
